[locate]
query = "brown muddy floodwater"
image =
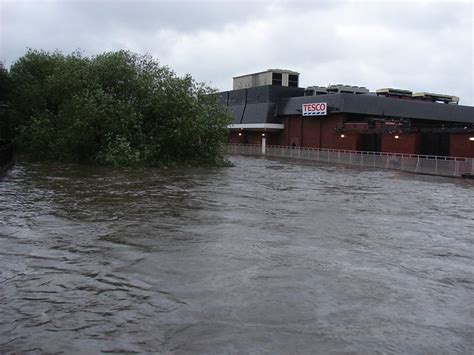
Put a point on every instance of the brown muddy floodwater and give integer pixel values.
(266, 256)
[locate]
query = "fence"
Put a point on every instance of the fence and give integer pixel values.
(423, 164)
(6, 156)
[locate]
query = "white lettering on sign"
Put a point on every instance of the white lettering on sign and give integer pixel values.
(315, 109)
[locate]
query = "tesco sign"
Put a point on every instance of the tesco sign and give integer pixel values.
(315, 109)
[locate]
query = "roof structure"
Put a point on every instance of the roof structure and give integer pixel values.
(382, 106)
(267, 104)
(257, 104)
(269, 71)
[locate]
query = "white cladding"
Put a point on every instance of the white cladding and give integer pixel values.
(262, 78)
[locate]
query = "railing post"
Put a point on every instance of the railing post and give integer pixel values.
(459, 166)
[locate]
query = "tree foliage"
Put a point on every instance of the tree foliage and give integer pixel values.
(117, 108)
(5, 84)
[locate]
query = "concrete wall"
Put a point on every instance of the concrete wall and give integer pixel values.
(259, 79)
(253, 80)
(243, 82)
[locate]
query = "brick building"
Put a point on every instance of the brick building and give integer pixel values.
(388, 120)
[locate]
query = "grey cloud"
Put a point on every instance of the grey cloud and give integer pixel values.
(423, 46)
(183, 16)
(76, 24)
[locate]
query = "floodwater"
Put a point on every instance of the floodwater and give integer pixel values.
(266, 256)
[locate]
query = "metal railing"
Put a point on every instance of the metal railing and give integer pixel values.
(6, 156)
(423, 164)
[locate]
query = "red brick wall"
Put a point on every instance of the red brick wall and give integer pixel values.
(307, 132)
(253, 137)
(295, 131)
(408, 143)
(246, 137)
(461, 146)
(284, 134)
(329, 138)
(315, 132)
(350, 141)
(273, 138)
(278, 137)
(235, 138)
(312, 132)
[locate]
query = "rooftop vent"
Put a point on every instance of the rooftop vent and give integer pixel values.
(346, 89)
(315, 90)
(391, 92)
(276, 77)
(428, 96)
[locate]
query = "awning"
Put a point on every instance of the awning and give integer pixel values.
(257, 126)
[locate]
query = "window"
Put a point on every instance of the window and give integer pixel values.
(293, 81)
(277, 79)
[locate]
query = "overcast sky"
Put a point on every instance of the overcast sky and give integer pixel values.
(415, 45)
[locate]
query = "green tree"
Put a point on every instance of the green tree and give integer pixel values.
(117, 108)
(5, 95)
(5, 84)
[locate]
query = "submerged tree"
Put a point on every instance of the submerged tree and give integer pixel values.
(117, 108)
(5, 94)
(5, 85)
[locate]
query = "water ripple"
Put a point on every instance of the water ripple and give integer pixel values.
(266, 256)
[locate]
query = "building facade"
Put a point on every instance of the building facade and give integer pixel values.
(276, 77)
(389, 120)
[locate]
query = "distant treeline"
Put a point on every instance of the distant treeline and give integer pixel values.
(117, 108)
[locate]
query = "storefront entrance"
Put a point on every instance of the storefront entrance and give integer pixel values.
(371, 142)
(435, 144)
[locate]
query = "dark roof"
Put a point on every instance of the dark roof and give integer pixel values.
(266, 104)
(258, 104)
(382, 106)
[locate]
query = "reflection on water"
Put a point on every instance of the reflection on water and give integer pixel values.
(266, 256)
